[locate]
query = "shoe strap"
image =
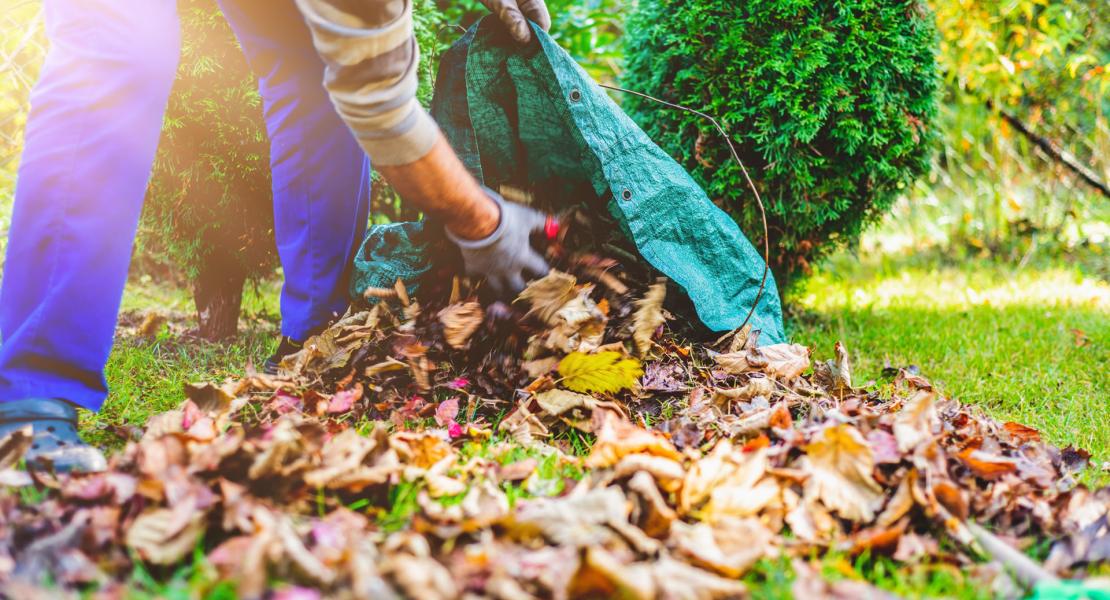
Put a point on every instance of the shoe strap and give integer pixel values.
(37, 409)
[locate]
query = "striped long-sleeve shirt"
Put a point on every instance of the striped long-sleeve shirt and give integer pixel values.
(371, 58)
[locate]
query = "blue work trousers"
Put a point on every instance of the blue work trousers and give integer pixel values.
(96, 114)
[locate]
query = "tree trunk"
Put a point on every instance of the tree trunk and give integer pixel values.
(218, 293)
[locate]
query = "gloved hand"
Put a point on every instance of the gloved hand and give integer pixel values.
(513, 14)
(506, 257)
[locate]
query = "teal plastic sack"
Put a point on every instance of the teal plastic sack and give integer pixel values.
(530, 117)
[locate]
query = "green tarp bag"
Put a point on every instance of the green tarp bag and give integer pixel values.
(530, 117)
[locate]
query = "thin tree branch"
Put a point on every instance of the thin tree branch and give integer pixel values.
(1054, 150)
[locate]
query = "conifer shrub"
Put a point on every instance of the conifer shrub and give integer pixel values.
(831, 105)
(209, 215)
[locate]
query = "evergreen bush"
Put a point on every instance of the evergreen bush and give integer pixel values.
(209, 212)
(831, 105)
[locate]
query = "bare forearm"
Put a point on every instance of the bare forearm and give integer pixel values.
(440, 185)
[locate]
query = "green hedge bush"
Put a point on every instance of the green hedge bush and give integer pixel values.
(831, 103)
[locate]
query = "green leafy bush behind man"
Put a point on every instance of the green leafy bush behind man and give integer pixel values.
(832, 104)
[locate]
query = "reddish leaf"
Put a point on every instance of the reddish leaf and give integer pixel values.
(985, 465)
(447, 411)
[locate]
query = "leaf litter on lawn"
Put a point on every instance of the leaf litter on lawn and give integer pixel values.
(422, 450)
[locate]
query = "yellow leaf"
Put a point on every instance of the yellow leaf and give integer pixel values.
(601, 372)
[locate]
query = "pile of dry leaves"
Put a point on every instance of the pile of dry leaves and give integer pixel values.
(567, 445)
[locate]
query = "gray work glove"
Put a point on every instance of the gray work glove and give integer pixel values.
(506, 258)
(513, 13)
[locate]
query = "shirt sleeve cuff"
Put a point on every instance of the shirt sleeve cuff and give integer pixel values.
(407, 147)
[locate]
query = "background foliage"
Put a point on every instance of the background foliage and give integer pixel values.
(1048, 64)
(832, 106)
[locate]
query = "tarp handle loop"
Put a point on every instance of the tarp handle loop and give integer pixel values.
(736, 157)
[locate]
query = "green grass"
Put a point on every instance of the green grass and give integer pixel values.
(773, 578)
(146, 376)
(991, 336)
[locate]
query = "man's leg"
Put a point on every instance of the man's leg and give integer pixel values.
(96, 114)
(321, 177)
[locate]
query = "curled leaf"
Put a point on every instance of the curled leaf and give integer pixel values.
(648, 316)
(556, 402)
(617, 438)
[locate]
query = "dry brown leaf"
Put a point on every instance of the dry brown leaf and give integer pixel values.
(523, 426)
(460, 321)
(952, 498)
(786, 361)
(986, 465)
(835, 375)
(540, 366)
(548, 294)
(1022, 433)
(283, 455)
(415, 571)
(345, 460)
(617, 438)
(676, 579)
(756, 386)
(159, 539)
(651, 514)
(648, 316)
(14, 446)
(558, 401)
(840, 467)
(209, 397)
(729, 546)
(745, 491)
(917, 420)
(809, 520)
(667, 472)
(604, 575)
(578, 326)
(899, 504)
(582, 520)
(734, 362)
(419, 449)
(704, 475)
